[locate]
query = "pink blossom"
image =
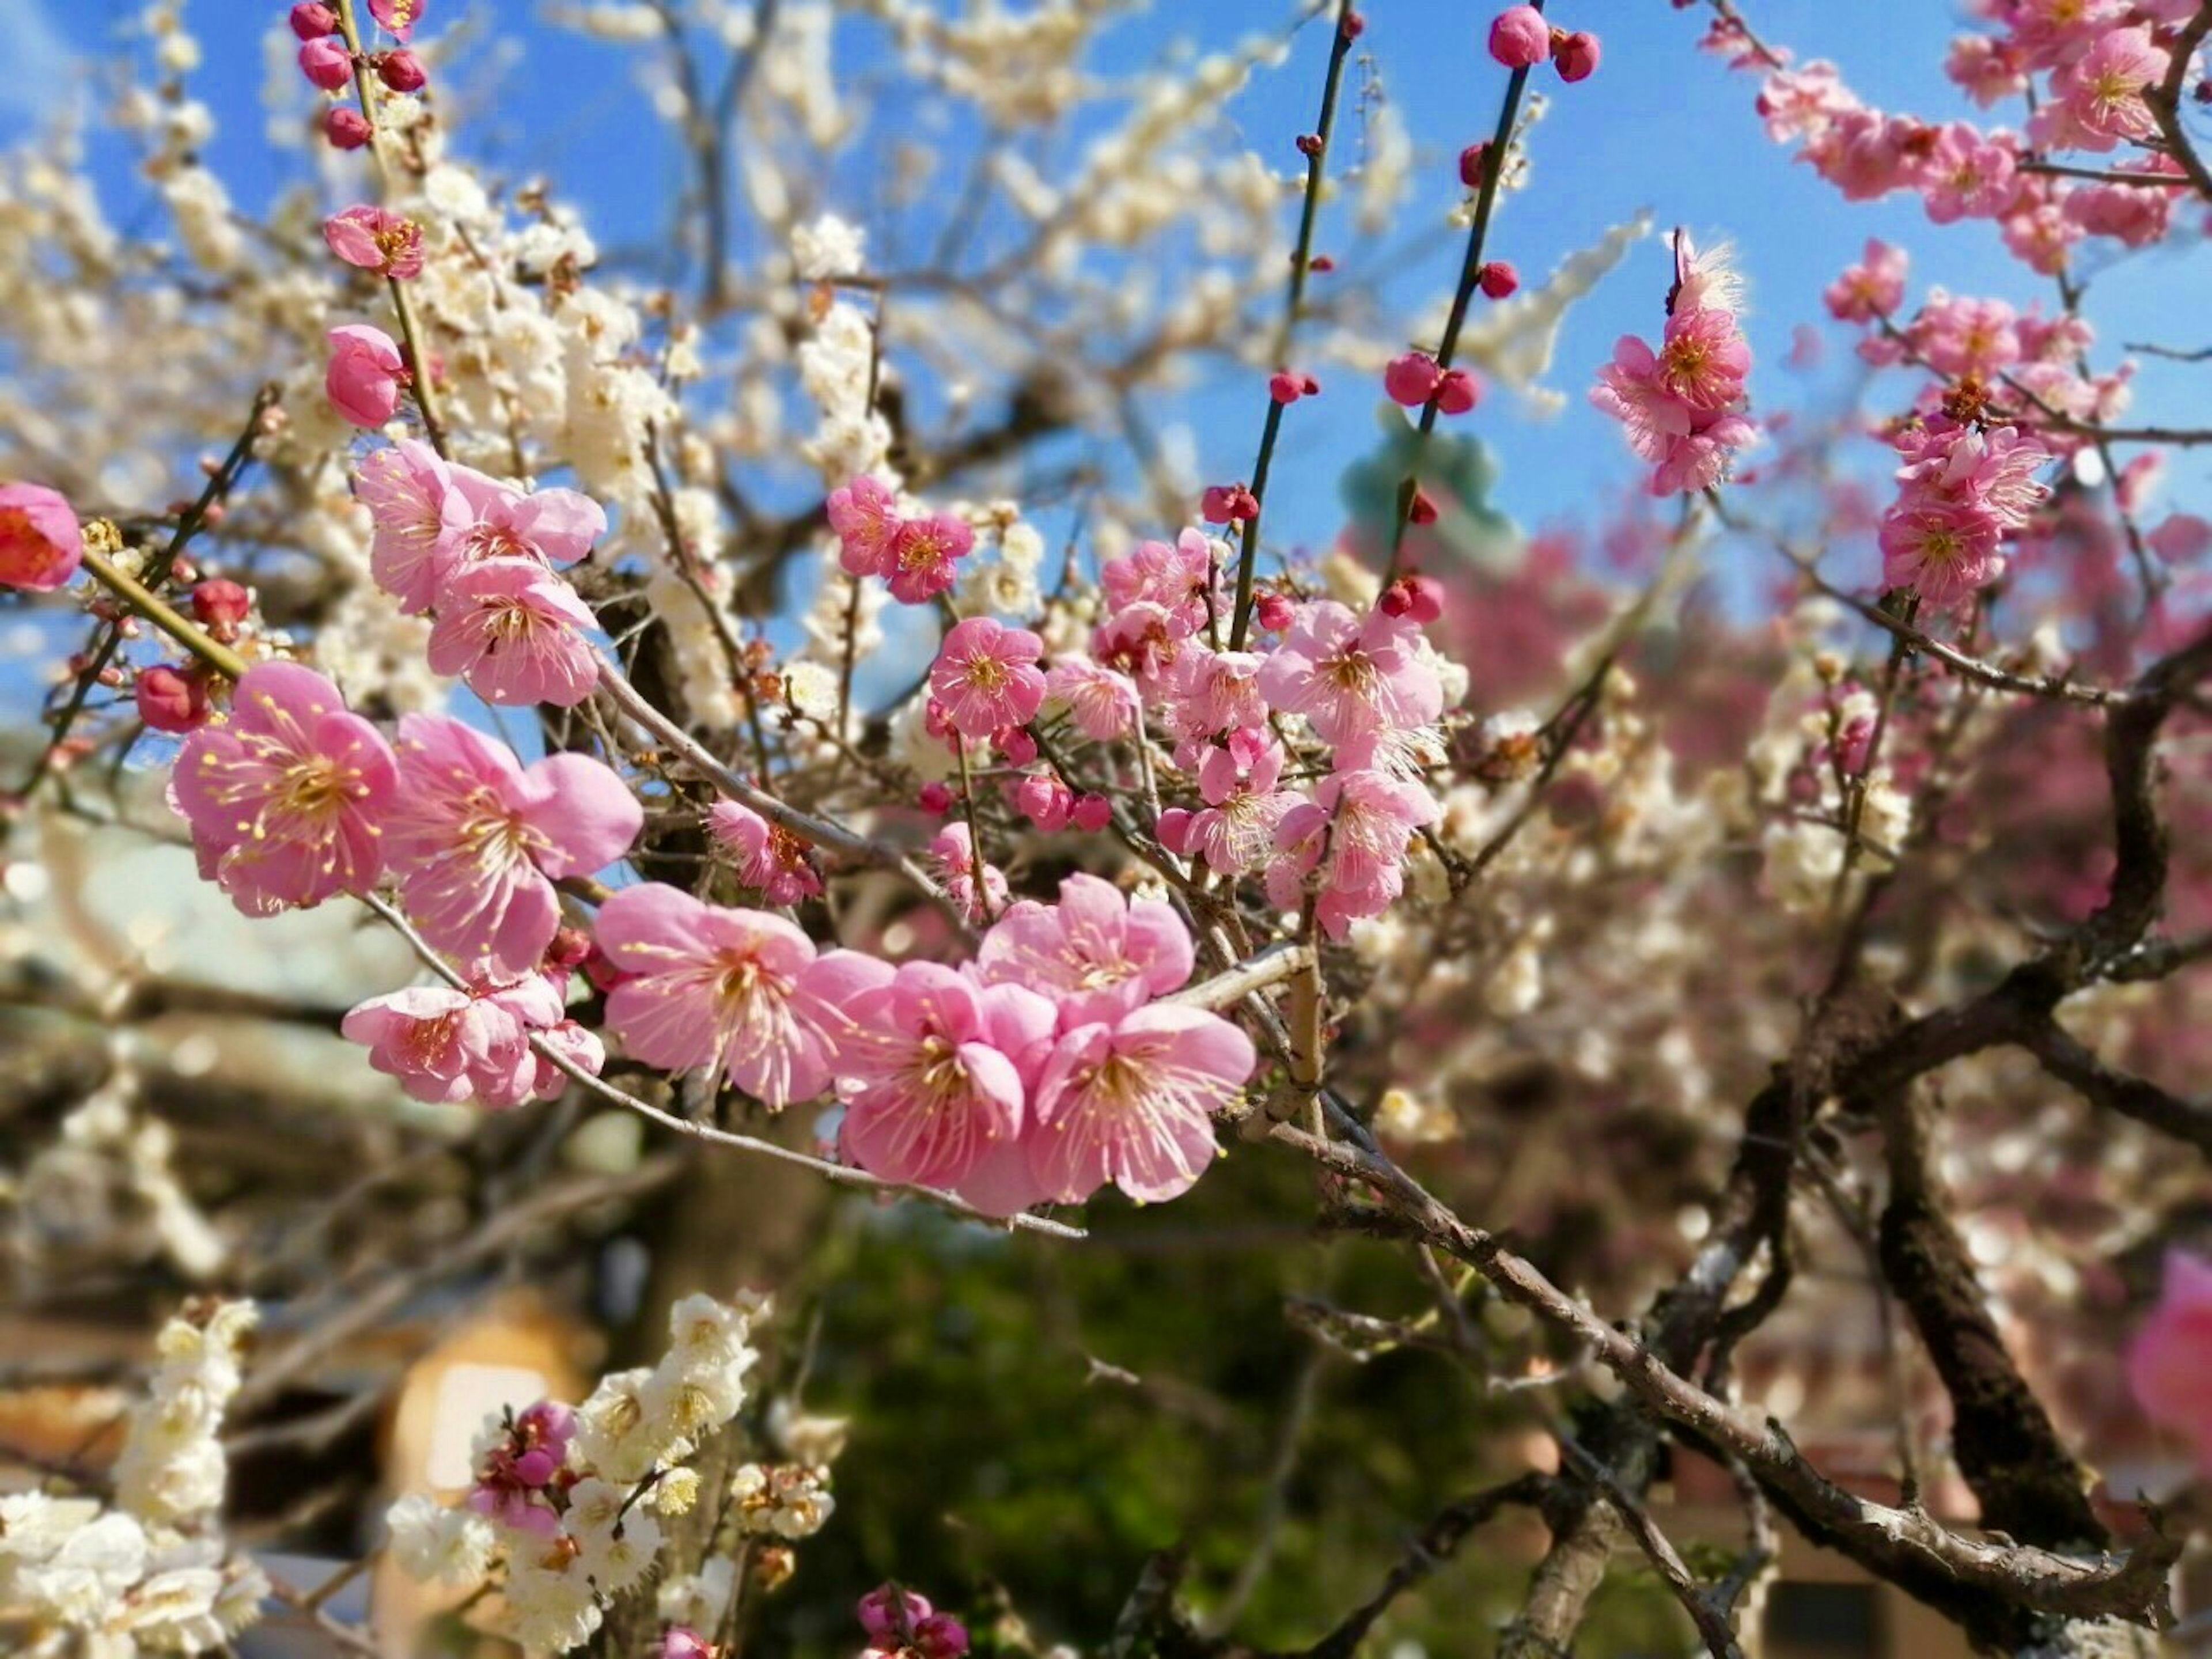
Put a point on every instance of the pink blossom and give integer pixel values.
(1045, 800)
(446, 1046)
(1355, 833)
(1967, 174)
(1864, 153)
(1519, 37)
(1803, 103)
(1458, 391)
(365, 374)
(512, 1480)
(169, 701)
(2171, 1357)
(865, 517)
(1986, 68)
(1945, 553)
(1181, 578)
(1967, 336)
(2100, 100)
(1131, 1103)
(516, 633)
(925, 555)
(953, 853)
(1235, 831)
(286, 798)
(986, 676)
(1145, 641)
(741, 992)
(1096, 953)
(1351, 675)
(1102, 703)
(477, 840)
(1214, 693)
(41, 543)
(930, 1634)
(937, 1085)
(769, 858)
(1702, 359)
(681, 1642)
(1873, 287)
(1577, 55)
(1993, 470)
(1230, 503)
(2038, 233)
(377, 239)
(397, 17)
(419, 516)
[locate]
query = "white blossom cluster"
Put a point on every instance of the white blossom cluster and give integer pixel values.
(149, 1572)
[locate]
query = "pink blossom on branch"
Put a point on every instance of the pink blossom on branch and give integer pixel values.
(1350, 676)
(41, 543)
(986, 677)
(477, 840)
(1096, 953)
(376, 239)
(365, 374)
(516, 633)
(286, 800)
(768, 858)
(740, 992)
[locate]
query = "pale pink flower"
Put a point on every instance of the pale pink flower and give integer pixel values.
(953, 853)
(1181, 578)
(1803, 102)
(1355, 833)
(925, 555)
(1967, 336)
(1212, 694)
(936, 1084)
(516, 633)
(1235, 831)
(865, 516)
(986, 677)
(477, 840)
(41, 543)
(1351, 675)
(1944, 552)
(1144, 642)
(376, 239)
(397, 17)
(1702, 359)
(768, 858)
(741, 992)
(2100, 100)
(1131, 1103)
(2170, 1359)
(1102, 703)
(1096, 953)
(1865, 154)
(1993, 470)
(2051, 33)
(553, 526)
(365, 374)
(1699, 459)
(1967, 174)
(446, 1046)
(2038, 232)
(286, 798)
(419, 515)
(1873, 287)
(1986, 68)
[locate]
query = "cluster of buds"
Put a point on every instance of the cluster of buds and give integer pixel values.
(902, 1624)
(1414, 379)
(328, 61)
(1520, 39)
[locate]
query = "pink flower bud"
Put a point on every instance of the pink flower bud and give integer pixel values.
(1092, 813)
(1420, 597)
(1352, 26)
(312, 22)
(1519, 38)
(935, 799)
(401, 71)
(1497, 278)
(571, 948)
(326, 63)
(1320, 264)
(1228, 504)
(41, 545)
(365, 374)
(222, 605)
(1458, 391)
(681, 1642)
(1577, 55)
(1044, 800)
(1286, 387)
(1309, 144)
(1423, 509)
(1412, 379)
(169, 700)
(940, 1636)
(1015, 743)
(346, 128)
(1275, 611)
(1472, 161)
(1173, 830)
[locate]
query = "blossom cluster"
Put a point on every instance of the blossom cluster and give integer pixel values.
(149, 1572)
(565, 1512)
(1682, 405)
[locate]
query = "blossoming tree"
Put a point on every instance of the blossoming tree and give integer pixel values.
(1197, 859)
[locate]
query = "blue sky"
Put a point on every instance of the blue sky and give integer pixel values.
(1662, 126)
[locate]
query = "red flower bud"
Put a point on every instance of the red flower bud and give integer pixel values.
(1016, 744)
(1471, 161)
(1423, 510)
(1275, 611)
(570, 948)
(326, 63)
(1321, 263)
(221, 603)
(346, 128)
(1519, 38)
(1286, 387)
(1498, 278)
(1458, 391)
(401, 71)
(1228, 504)
(1309, 144)
(1411, 379)
(1576, 56)
(313, 22)
(1420, 597)
(935, 799)
(169, 700)
(1352, 26)
(1092, 813)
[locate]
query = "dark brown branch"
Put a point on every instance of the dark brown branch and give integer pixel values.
(2075, 1065)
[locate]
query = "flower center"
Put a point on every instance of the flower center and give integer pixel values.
(985, 673)
(314, 787)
